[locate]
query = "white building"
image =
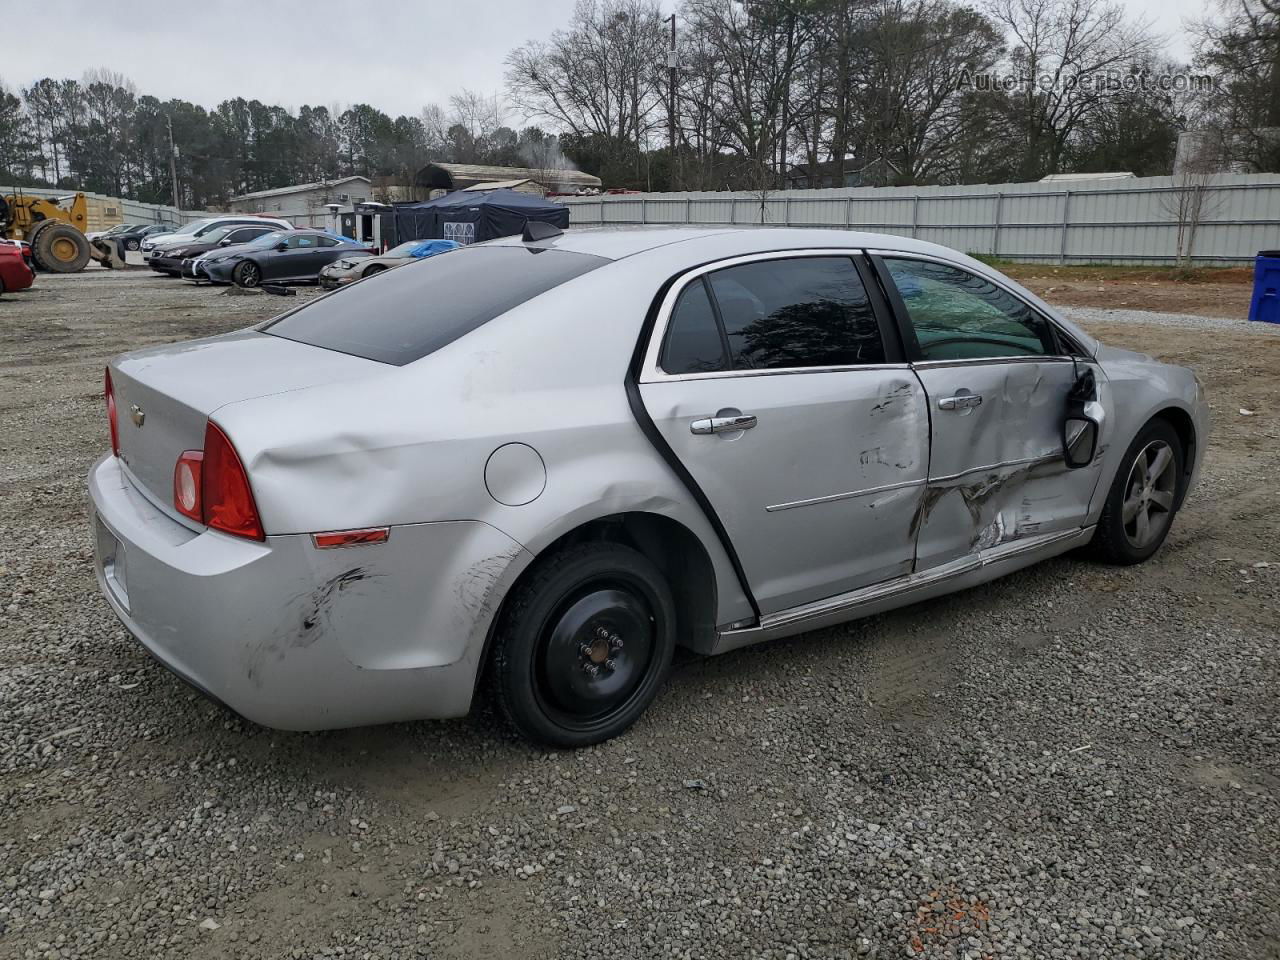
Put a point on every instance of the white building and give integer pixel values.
(305, 204)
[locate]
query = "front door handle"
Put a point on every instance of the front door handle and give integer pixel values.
(722, 424)
(964, 401)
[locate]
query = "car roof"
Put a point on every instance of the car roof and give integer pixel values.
(615, 243)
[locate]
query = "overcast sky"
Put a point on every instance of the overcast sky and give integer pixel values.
(396, 56)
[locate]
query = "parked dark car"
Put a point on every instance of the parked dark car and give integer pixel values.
(292, 256)
(131, 234)
(168, 258)
(133, 238)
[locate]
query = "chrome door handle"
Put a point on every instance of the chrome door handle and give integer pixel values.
(722, 424)
(963, 402)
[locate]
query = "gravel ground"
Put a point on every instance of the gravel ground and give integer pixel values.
(1088, 316)
(1074, 761)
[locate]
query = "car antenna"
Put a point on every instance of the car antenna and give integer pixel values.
(537, 230)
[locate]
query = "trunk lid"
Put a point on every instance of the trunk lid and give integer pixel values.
(165, 395)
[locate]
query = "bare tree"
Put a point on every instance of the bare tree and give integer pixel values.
(1063, 50)
(1242, 48)
(1190, 201)
(755, 49)
(599, 77)
(479, 114)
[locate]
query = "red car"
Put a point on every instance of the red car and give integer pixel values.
(14, 272)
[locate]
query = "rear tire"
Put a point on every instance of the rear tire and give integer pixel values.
(583, 645)
(247, 275)
(60, 248)
(1143, 499)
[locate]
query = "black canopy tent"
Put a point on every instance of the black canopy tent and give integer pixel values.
(469, 216)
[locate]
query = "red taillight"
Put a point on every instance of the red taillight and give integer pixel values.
(227, 499)
(187, 485)
(110, 394)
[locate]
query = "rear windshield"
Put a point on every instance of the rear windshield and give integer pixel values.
(402, 315)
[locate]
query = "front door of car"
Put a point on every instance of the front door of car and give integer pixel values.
(773, 382)
(997, 376)
(295, 260)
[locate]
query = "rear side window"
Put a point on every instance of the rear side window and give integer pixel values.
(693, 342)
(417, 309)
(802, 312)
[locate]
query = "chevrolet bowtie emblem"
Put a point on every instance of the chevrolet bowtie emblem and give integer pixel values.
(137, 415)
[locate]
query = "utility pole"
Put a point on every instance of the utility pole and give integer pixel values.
(173, 165)
(672, 67)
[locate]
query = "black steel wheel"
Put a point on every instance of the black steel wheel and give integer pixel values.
(583, 644)
(247, 274)
(1144, 497)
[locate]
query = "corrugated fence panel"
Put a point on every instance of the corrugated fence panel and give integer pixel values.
(1117, 221)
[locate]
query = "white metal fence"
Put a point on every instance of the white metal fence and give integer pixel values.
(1121, 221)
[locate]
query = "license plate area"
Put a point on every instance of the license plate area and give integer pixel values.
(112, 562)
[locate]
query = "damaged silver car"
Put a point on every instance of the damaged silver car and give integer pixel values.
(547, 461)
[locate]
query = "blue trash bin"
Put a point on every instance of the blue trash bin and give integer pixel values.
(1265, 306)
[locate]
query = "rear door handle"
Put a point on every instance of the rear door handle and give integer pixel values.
(722, 424)
(964, 401)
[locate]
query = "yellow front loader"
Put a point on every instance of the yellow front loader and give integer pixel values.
(54, 227)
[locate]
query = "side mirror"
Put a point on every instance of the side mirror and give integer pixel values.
(1082, 426)
(282, 245)
(224, 243)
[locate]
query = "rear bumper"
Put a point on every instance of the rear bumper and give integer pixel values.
(297, 638)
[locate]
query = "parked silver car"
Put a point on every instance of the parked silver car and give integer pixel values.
(580, 451)
(358, 265)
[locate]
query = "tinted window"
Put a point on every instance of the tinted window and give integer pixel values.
(246, 234)
(424, 305)
(805, 312)
(957, 315)
(693, 343)
(302, 241)
(328, 242)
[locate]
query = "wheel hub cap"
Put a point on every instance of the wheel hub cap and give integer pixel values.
(1149, 494)
(597, 652)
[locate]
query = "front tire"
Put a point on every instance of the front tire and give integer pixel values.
(59, 247)
(583, 645)
(376, 268)
(247, 275)
(1144, 497)
(132, 244)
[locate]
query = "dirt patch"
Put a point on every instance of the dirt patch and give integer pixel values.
(1211, 292)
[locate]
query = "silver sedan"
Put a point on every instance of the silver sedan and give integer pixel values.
(358, 265)
(553, 459)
